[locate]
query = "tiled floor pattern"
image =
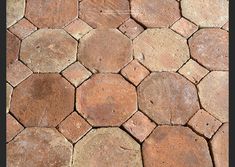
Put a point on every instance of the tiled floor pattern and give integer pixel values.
(107, 83)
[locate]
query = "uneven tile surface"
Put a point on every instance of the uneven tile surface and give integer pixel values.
(117, 83)
(39, 147)
(107, 147)
(175, 146)
(106, 100)
(161, 49)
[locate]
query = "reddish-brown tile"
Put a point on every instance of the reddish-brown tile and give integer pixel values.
(74, 127)
(204, 123)
(139, 126)
(51, 13)
(8, 96)
(104, 14)
(106, 100)
(15, 11)
(105, 50)
(107, 147)
(131, 29)
(213, 94)
(17, 72)
(13, 48)
(23, 28)
(168, 98)
(184, 27)
(210, 48)
(39, 147)
(76, 74)
(155, 13)
(13, 127)
(42, 100)
(175, 146)
(193, 71)
(161, 49)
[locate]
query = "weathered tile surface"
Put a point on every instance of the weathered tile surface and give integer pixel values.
(175, 146)
(213, 94)
(12, 48)
(42, 100)
(131, 29)
(15, 11)
(139, 125)
(210, 48)
(8, 96)
(74, 127)
(51, 13)
(167, 98)
(107, 147)
(105, 50)
(39, 147)
(161, 49)
(48, 50)
(106, 100)
(13, 127)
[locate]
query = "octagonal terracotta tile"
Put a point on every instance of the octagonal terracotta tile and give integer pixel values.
(106, 100)
(107, 147)
(15, 11)
(175, 146)
(39, 147)
(104, 14)
(51, 13)
(13, 48)
(42, 100)
(105, 50)
(48, 50)
(161, 49)
(167, 98)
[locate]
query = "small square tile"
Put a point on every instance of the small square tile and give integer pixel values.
(184, 27)
(76, 73)
(135, 72)
(23, 28)
(226, 26)
(78, 28)
(131, 29)
(17, 72)
(74, 127)
(13, 127)
(204, 123)
(8, 97)
(139, 126)
(193, 71)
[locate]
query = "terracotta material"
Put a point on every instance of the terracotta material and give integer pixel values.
(8, 96)
(15, 11)
(131, 29)
(13, 48)
(13, 127)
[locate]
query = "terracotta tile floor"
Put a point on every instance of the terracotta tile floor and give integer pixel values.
(91, 83)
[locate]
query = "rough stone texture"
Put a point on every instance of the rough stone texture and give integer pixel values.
(167, 98)
(204, 123)
(213, 94)
(42, 100)
(48, 50)
(13, 127)
(51, 13)
(105, 50)
(139, 126)
(107, 147)
(184, 27)
(17, 72)
(23, 28)
(131, 29)
(8, 96)
(76, 74)
(161, 49)
(39, 147)
(193, 71)
(104, 14)
(226, 26)
(210, 48)
(206, 13)
(220, 146)
(78, 28)
(155, 13)
(106, 100)
(15, 11)
(135, 72)
(175, 146)
(74, 127)
(13, 48)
